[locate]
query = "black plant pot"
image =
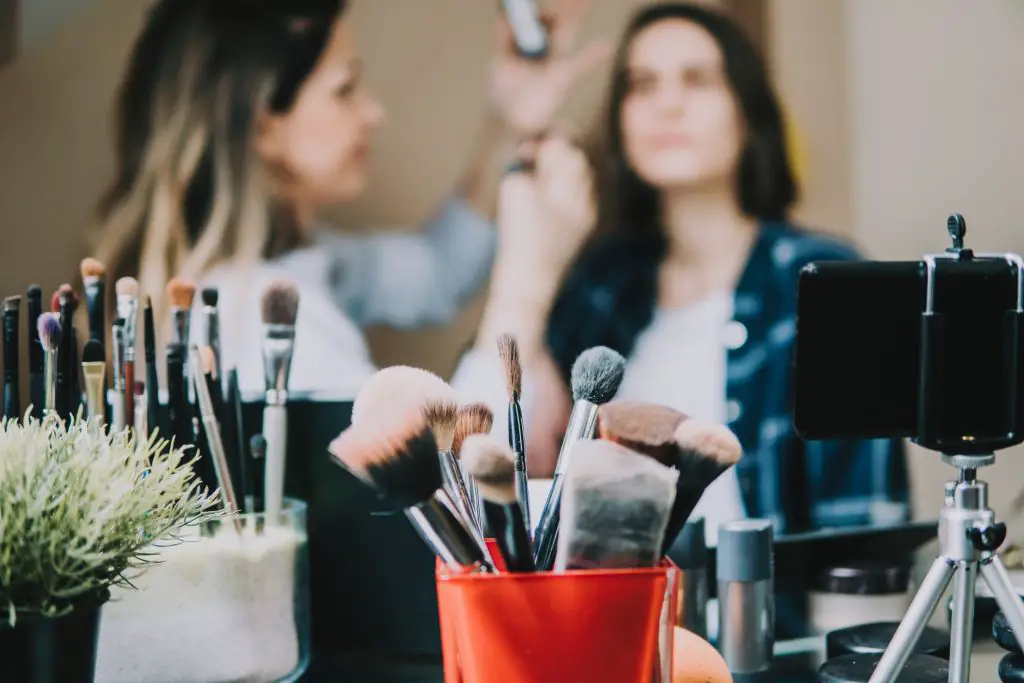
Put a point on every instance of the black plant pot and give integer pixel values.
(60, 650)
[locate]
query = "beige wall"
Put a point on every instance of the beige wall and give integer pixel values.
(884, 92)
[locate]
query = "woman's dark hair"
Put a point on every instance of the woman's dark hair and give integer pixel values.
(186, 192)
(609, 296)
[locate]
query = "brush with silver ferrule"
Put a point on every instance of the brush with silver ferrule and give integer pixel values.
(401, 463)
(181, 293)
(475, 418)
(94, 371)
(596, 376)
(280, 308)
(208, 416)
(211, 331)
(441, 415)
(118, 418)
(94, 284)
(127, 289)
(512, 371)
(49, 329)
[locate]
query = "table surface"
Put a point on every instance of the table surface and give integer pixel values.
(799, 667)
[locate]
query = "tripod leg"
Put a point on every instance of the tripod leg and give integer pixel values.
(910, 629)
(994, 573)
(962, 632)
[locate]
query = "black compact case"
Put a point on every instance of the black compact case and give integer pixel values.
(372, 577)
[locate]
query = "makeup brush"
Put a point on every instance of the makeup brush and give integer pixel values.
(127, 289)
(441, 414)
(141, 418)
(257, 468)
(512, 371)
(36, 377)
(180, 293)
(492, 465)
(212, 429)
(475, 418)
(402, 464)
(65, 307)
(94, 370)
(118, 415)
(595, 378)
(245, 468)
(280, 308)
(12, 363)
(152, 370)
(395, 390)
(95, 296)
(211, 330)
(179, 415)
(616, 507)
(49, 337)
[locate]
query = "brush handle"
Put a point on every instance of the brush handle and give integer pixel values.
(94, 303)
(451, 475)
(63, 363)
(12, 365)
(275, 430)
(50, 367)
(94, 403)
(440, 526)
(74, 384)
(522, 488)
(505, 524)
(118, 414)
(178, 411)
(246, 469)
(129, 391)
(528, 31)
(37, 391)
(546, 536)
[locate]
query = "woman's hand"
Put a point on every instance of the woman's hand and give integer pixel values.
(525, 93)
(544, 218)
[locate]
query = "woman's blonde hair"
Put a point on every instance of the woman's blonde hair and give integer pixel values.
(190, 191)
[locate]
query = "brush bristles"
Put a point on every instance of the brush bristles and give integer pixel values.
(709, 440)
(647, 428)
(401, 463)
(181, 293)
(492, 465)
(440, 414)
(210, 296)
(127, 287)
(48, 327)
(91, 268)
(397, 390)
(280, 303)
(511, 365)
(12, 303)
(93, 352)
(475, 418)
(597, 374)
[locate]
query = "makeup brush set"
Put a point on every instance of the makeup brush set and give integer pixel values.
(628, 476)
(202, 405)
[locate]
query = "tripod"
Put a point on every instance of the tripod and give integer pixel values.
(968, 538)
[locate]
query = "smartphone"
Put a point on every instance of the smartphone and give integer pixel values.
(868, 362)
(529, 32)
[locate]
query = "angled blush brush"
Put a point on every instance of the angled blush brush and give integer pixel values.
(48, 326)
(94, 284)
(280, 308)
(12, 362)
(596, 376)
(36, 374)
(402, 464)
(492, 465)
(512, 371)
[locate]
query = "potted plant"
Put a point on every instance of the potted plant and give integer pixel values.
(78, 509)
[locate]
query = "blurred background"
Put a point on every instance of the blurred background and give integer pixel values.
(903, 110)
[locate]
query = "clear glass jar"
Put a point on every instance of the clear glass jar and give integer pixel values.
(229, 603)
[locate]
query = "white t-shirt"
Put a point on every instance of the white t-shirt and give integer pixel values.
(679, 361)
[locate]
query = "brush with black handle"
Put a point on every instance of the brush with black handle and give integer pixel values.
(596, 376)
(12, 363)
(492, 465)
(36, 373)
(152, 370)
(512, 371)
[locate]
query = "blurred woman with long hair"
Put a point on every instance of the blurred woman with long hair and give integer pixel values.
(238, 121)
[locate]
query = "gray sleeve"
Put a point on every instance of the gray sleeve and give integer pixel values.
(409, 280)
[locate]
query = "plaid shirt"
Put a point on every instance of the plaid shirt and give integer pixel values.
(798, 485)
